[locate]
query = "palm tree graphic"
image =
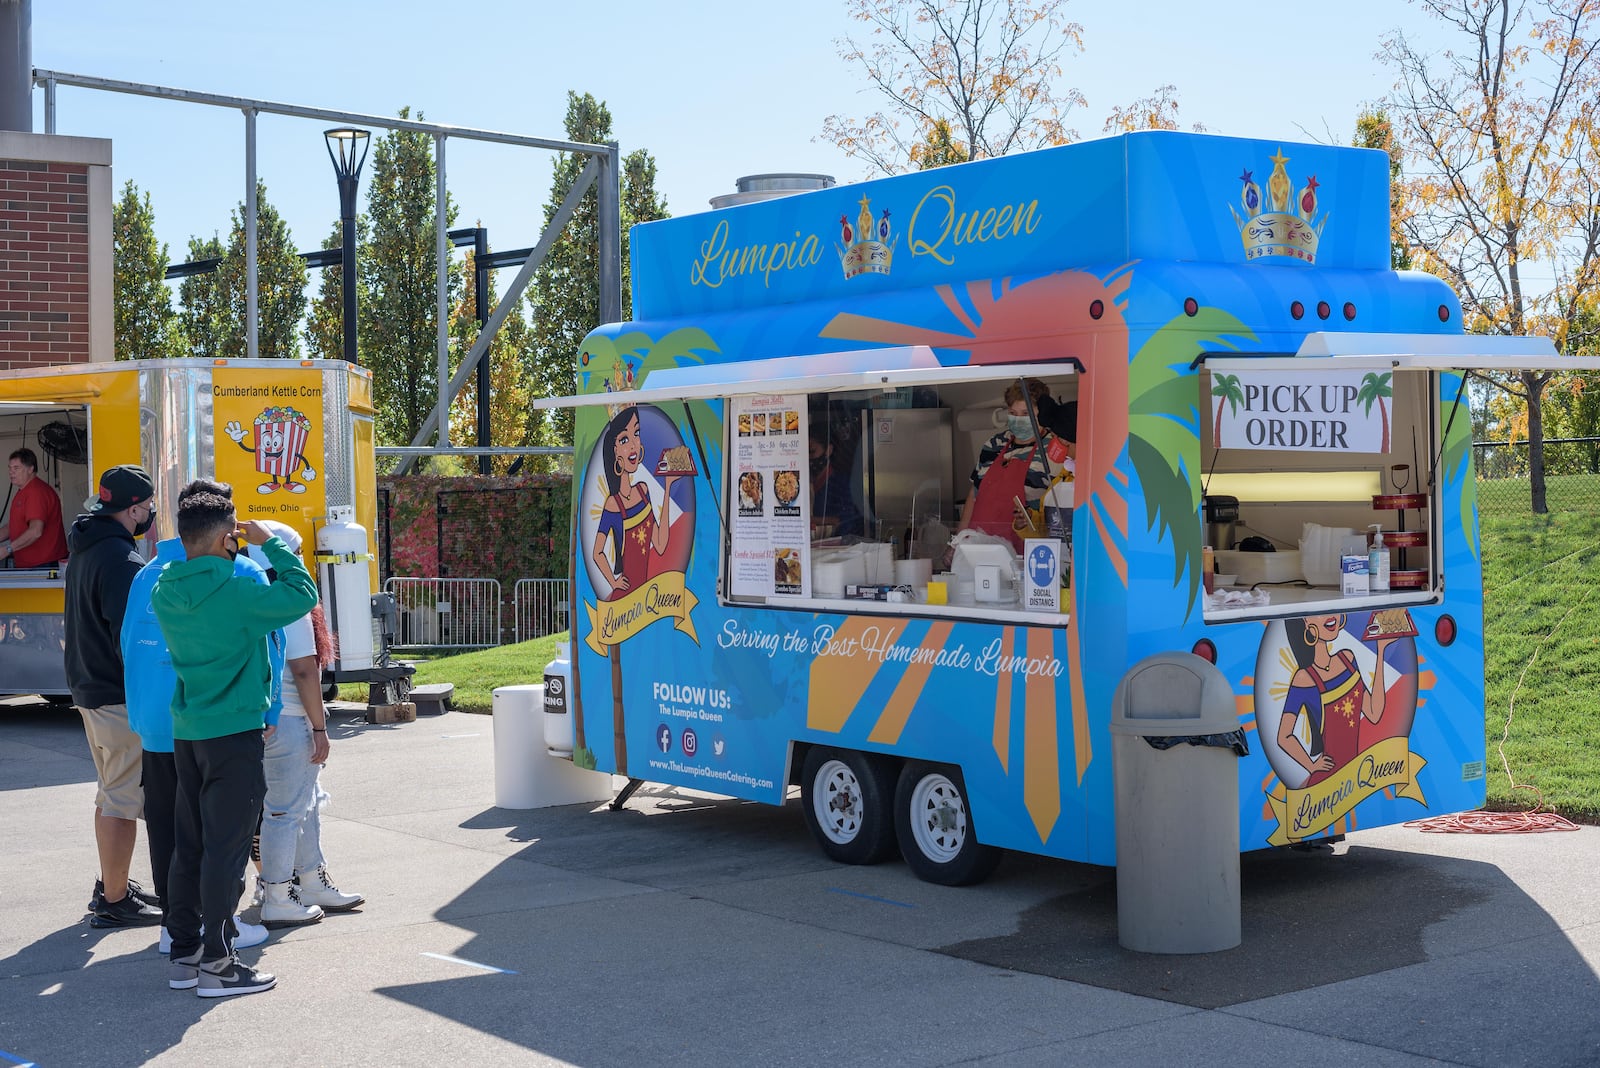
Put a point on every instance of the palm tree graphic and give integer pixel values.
(1375, 387)
(1226, 389)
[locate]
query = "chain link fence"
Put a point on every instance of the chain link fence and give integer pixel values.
(1571, 468)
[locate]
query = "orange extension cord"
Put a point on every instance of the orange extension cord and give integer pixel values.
(1531, 821)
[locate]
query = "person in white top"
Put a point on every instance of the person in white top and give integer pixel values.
(295, 887)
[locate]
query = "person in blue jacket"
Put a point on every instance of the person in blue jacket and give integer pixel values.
(150, 681)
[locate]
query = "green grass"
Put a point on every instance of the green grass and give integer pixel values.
(477, 675)
(1542, 637)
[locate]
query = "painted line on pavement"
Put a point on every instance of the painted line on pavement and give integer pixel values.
(472, 735)
(470, 963)
(872, 897)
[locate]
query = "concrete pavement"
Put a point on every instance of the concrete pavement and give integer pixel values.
(700, 931)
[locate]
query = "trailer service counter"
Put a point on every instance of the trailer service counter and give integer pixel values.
(1220, 311)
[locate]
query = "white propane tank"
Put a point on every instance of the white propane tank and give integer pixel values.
(346, 587)
(560, 732)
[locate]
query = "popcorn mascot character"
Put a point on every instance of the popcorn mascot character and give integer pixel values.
(280, 435)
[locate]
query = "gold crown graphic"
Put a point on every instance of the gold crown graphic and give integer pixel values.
(868, 248)
(620, 381)
(1277, 225)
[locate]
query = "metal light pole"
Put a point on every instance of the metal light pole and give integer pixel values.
(347, 148)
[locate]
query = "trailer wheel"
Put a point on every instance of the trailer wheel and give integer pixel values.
(845, 796)
(934, 825)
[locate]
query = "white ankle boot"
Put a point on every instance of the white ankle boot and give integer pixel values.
(315, 888)
(281, 907)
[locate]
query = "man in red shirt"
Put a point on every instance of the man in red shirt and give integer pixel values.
(36, 536)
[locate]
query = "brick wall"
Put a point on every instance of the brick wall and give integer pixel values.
(44, 263)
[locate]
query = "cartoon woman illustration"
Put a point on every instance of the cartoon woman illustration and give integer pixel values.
(628, 518)
(1329, 690)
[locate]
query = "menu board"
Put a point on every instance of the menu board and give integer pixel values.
(771, 507)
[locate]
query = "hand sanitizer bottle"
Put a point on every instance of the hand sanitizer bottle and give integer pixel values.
(1378, 561)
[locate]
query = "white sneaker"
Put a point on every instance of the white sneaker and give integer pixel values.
(250, 934)
(317, 889)
(164, 946)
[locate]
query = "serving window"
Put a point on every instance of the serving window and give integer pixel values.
(851, 499)
(1299, 468)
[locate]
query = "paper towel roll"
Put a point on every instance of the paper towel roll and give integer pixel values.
(912, 572)
(878, 561)
(827, 578)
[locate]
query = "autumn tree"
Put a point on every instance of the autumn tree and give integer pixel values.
(398, 267)
(146, 327)
(988, 69)
(1374, 130)
(939, 148)
(1158, 111)
(564, 297)
(1505, 193)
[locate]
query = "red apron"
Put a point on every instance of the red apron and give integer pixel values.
(1005, 483)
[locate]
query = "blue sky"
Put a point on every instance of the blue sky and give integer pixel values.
(714, 89)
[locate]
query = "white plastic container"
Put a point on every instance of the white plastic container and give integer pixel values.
(346, 584)
(560, 735)
(1260, 567)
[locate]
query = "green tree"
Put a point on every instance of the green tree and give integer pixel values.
(564, 297)
(201, 315)
(1374, 130)
(325, 318)
(280, 286)
(399, 315)
(146, 326)
(509, 388)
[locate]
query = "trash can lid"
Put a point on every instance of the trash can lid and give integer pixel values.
(1173, 694)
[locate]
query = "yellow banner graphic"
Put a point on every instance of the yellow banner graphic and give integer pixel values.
(1303, 813)
(663, 597)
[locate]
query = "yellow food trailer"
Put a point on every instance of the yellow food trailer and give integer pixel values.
(293, 438)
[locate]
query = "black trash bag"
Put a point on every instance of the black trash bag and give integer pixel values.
(1234, 740)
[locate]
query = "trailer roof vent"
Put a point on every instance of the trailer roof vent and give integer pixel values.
(754, 187)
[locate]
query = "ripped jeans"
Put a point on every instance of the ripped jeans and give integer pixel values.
(291, 823)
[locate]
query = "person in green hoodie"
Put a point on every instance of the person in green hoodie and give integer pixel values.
(216, 626)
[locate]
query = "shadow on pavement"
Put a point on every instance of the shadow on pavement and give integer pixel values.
(41, 745)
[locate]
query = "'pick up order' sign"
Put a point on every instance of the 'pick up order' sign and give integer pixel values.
(1317, 412)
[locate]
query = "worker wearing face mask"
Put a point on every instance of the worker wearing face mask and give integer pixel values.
(1015, 467)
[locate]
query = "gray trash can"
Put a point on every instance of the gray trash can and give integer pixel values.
(1176, 744)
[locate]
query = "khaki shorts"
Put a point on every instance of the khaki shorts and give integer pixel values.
(118, 761)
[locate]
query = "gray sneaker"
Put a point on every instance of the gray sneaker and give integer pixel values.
(183, 973)
(226, 977)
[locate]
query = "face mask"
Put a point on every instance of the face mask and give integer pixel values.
(143, 526)
(1021, 427)
(233, 553)
(818, 463)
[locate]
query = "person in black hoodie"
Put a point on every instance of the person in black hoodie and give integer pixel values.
(104, 561)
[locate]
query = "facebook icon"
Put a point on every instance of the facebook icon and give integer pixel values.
(664, 738)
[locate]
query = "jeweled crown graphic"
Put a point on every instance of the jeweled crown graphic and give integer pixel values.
(867, 248)
(1285, 223)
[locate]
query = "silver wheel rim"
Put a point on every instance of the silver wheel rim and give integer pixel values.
(836, 802)
(938, 818)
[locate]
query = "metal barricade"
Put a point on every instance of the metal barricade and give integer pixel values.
(447, 613)
(540, 607)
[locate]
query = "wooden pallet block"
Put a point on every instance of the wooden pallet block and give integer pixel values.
(404, 712)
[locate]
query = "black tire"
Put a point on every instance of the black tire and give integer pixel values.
(330, 691)
(845, 796)
(933, 823)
